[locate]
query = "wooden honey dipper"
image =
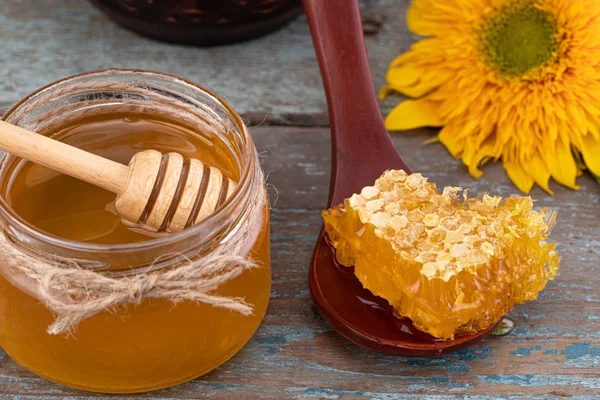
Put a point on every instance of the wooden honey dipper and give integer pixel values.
(163, 192)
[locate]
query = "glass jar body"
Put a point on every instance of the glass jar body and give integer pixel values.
(135, 348)
(156, 343)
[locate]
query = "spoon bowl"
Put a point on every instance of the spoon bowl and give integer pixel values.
(368, 320)
(361, 151)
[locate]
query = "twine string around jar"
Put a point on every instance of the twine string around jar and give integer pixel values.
(74, 293)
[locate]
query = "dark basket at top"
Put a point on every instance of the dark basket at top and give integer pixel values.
(201, 22)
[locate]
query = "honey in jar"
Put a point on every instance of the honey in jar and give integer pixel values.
(156, 343)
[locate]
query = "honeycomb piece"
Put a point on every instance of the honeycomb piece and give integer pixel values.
(452, 267)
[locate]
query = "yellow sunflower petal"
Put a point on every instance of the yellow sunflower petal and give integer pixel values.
(562, 166)
(411, 114)
(591, 153)
(469, 152)
(593, 128)
(519, 176)
(400, 76)
(486, 151)
(448, 136)
(418, 24)
(385, 91)
(423, 86)
(403, 58)
(418, 90)
(539, 171)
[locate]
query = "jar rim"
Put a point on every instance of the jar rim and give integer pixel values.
(245, 181)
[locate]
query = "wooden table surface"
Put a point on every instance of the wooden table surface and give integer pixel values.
(554, 350)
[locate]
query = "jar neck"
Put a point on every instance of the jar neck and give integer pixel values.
(144, 92)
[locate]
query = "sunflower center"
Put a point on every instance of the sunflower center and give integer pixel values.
(519, 38)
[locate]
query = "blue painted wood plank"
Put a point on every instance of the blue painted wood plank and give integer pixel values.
(275, 77)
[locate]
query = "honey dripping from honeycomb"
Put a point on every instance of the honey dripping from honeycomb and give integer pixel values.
(451, 267)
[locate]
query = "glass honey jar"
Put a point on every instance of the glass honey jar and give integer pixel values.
(143, 343)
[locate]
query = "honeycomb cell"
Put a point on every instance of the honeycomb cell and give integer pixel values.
(452, 266)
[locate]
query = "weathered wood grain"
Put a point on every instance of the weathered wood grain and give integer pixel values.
(553, 352)
(275, 78)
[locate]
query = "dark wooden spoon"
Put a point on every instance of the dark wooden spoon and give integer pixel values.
(361, 151)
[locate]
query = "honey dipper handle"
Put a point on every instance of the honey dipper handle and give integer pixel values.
(63, 158)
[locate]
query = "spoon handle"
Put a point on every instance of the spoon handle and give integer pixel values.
(361, 146)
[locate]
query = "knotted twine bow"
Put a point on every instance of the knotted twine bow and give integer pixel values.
(74, 293)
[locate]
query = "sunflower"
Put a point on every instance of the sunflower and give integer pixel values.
(516, 80)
